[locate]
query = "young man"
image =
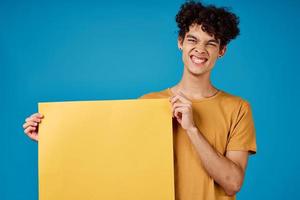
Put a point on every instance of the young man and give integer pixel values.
(213, 130)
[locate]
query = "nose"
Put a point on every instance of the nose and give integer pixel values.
(200, 48)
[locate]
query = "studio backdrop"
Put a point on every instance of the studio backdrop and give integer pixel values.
(108, 50)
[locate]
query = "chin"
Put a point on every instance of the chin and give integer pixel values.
(196, 70)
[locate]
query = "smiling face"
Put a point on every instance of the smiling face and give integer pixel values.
(199, 50)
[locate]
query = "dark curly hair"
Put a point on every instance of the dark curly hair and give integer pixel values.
(219, 22)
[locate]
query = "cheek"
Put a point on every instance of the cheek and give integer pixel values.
(214, 55)
(185, 57)
(214, 58)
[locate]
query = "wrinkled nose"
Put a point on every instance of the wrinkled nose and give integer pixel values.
(200, 49)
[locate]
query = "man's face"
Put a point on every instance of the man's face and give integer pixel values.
(199, 50)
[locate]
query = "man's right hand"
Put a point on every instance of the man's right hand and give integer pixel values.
(31, 125)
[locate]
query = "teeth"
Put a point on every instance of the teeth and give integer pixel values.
(198, 60)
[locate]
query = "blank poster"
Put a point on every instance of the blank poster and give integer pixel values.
(106, 150)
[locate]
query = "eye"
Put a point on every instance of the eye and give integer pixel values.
(212, 44)
(191, 40)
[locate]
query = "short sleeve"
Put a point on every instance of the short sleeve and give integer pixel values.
(242, 136)
(142, 97)
(148, 96)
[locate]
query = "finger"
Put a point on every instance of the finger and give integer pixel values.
(33, 136)
(172, 97)
(29, 129)
(183, 98)
(180, 93)
(34, 116)
(176, 99)
(180, 110)
(177, 104)
(38, 115)
(179, 120)
(183, 95)
(30, 123)
(177, 113)
(27, 119)
(180, 98)
(178, 116)
(33, 119)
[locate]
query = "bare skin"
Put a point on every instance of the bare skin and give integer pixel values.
(197, 46)
(31, 125)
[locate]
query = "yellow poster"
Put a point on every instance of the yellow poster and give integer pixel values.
(106, 150)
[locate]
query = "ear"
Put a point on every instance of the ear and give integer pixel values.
(180, 42)
(222, 51)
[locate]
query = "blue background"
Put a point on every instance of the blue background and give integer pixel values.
(93, 50)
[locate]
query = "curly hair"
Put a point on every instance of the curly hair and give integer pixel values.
(218, 22)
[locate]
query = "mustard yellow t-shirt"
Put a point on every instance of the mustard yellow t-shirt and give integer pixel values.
(226, 122)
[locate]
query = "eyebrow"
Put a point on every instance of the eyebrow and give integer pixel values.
(191, 36)
(214, 40)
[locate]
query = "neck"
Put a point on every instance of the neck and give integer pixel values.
(195, 87)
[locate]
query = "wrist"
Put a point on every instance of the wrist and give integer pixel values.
(192, 130)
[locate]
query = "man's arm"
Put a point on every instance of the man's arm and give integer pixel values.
(228, 171)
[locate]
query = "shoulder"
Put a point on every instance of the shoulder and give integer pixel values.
(165, 93)
(236, 103)
(233, 99)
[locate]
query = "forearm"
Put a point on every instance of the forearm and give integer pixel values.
(224, 171)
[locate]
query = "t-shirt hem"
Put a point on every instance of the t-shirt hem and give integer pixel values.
(251, 151)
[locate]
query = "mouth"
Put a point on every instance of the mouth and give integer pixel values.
(198, 60)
